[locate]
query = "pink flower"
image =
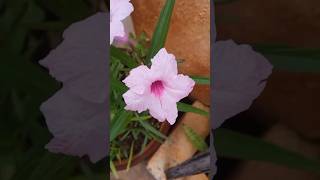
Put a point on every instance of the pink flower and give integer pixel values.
(122, 41)
(158, 88)
(119, 10)
(76, 115)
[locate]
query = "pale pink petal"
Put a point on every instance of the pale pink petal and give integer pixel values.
(137, 76)
(179, 87)
(122, 41)
(116, 29)
(240, 76)
(169, 106)
(155, 108)
(120, 9)
(92, 144)
(75, 68)
(164, 64)
(81, 58)
(79, 127)
(138, 79)
(157, 89)
(90, 86)
(90, 33)
(135, 102)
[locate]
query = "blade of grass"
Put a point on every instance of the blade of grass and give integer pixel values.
(130, 156)
(294, 63)
(114, 170)
(196, 140)
(119, 123)
(87, 171)
(125, 59)
(141, 118)
(151, 129)
(118, 86)
(291, 58)
(235, 145)
(223, 1)
(154, 137)
(161, 31)
(125, 135)
(201, 80)
(144, 144)
(189, 108)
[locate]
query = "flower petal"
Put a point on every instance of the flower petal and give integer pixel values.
(164, 64)
(82, 71)
(80, 61)
(135, 102)
(169, 106)
(139, 79)
(239, 77)
(90, 33)
(155, 108)
(179, 87)
(91, 86)
(116, 29)
(120, 9)
(79, 127)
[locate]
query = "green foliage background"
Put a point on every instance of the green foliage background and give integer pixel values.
(28, 30)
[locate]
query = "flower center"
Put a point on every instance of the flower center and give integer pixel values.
(157, 88)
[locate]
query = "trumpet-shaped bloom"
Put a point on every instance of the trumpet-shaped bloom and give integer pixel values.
(76, 115)
(119, 10)
(157, 89)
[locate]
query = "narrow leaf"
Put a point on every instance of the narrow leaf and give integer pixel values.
(196, 140)
(235, 145)
(125, 59)
(130, 156)
(151, 129)
(201, 80)
(114, 170)
(291, 59)
(189, 108)
(118, 86)
(119, 123)
(161, 31)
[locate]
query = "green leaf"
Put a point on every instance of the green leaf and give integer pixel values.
(114, 170)
(161, 31)
(151, 129)
(47, 25)
(88, 171)
(31, 78)
(201, 80)
(141, 118)
(189, 108)
(38, 163)
(118, 86)
(130, 156)
(235, 145)
(97, 177)
(119, 123)
(50, 165)
(33, 13)
(71, 10)
(223, 1)
(196, 140)
(291, 59)
(125, 59)
(294, 64)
